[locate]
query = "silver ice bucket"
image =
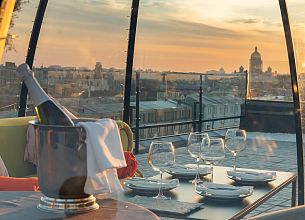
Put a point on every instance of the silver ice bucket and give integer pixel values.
(62, 164)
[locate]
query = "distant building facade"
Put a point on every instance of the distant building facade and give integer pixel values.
(260, 82)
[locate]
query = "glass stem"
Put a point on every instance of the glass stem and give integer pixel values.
(160, 188)
(197, 174)
(211, 165)
(234, 167)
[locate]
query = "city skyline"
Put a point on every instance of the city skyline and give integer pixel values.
(172, 35)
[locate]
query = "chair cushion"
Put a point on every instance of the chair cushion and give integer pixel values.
(18, 184)
(126, 136)
(131, 168)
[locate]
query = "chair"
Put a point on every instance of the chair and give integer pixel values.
(18, 184)
(13, 140)
(12, 143)
(295, 213)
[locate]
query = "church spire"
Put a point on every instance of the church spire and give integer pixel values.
(255, 48)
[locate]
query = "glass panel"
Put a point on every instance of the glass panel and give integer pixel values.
(297, 23)
(231, 44)
(81, 53)
(15, 54)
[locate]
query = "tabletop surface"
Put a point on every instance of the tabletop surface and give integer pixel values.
(225, 210)
(23, 205)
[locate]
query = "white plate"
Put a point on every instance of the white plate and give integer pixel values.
(223, 192)
(188, 171)
(248, 177)
(152, 185)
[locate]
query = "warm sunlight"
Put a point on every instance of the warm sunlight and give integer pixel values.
(171, 35)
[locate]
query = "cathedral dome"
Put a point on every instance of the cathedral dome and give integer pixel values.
(255, 54)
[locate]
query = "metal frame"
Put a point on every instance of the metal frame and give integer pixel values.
(130, 56)
(128, 77)
(200, 105)
(296, 100)
(31, 52)
(137, 131)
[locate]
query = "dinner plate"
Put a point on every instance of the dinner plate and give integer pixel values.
(223, 192)
(150, 186)
(188, 171)
(251, 177)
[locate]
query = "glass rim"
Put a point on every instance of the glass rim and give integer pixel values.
(215, 138)
(236, 129)
(161, 142)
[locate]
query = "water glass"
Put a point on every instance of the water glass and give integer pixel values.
(194, 144)
(213, 152)
(161, 157)
(235, 141)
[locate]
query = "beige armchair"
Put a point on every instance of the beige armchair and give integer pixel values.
(13, 139)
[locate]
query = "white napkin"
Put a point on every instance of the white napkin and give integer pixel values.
(189, 169)
(251, 175)
(104, 155)
(152, 183)
(224, 190)
(3, 170)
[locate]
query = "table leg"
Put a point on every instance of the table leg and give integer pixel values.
(294, 193)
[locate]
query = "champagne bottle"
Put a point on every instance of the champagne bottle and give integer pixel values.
(47, 111)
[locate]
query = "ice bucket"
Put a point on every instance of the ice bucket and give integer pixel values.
(62, 163)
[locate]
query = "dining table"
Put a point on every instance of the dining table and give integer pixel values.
(129, 205)
(217, 209)
(17, 205)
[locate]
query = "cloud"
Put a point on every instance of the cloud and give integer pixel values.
(246, 21)
(177, 28)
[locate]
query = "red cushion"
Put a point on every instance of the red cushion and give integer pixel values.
(131, 168)
(18, 184)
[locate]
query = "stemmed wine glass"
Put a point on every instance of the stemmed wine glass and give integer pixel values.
(194, 143)
(161, 157)
(235, 141)
(213, 152)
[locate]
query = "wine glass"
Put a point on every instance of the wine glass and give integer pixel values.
(161, 156)
(235, 141)
(194, 143)
(213, 152)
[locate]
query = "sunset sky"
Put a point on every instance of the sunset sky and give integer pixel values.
(175, 35)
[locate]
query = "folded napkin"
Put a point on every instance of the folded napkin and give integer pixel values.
(251, 175)
(3, 170)
(152, 183)
(104, 155)
(224, 190)
(131, 168)
(189, 169)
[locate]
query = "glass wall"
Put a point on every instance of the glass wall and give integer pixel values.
(15, 54)
(297, 23)
(81, 54)
(233, 45)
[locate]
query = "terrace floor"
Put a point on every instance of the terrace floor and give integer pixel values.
(263, 151)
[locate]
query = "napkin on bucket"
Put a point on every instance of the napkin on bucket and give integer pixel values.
(3, 170)
(104, 155)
